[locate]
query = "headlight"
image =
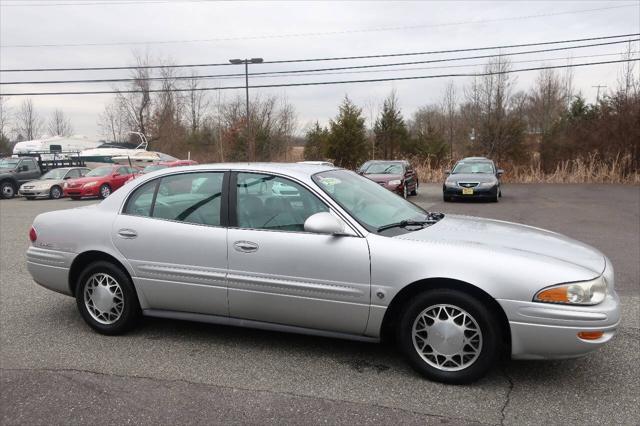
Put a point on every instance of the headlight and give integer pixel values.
(395, 182)
(89, 184)
(450, 183)
(579, 293)
(487, 184)
(66, 184)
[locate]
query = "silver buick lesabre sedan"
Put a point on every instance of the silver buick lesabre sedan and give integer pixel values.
(338, 257)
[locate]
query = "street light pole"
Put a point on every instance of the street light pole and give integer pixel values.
(246, 62)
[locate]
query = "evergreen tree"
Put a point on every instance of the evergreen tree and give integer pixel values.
(347, 142)
(390, 130)
(315, 147)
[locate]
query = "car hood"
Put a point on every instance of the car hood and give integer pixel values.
(471, 177)
(83, 180)
(44, 182)
(383, 177)
(521, 239)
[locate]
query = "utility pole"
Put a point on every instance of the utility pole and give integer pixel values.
(598, 92)
(246, 62)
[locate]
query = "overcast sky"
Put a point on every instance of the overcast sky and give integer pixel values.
(292, 30)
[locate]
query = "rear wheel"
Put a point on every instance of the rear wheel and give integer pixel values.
(105, 191)
(55, 193)
(7, 189)
(107, 299)
(449, 336)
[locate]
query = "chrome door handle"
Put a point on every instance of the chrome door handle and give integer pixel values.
(245, 246)
(127, 233)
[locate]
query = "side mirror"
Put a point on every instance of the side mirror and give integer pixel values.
(500, 172)
(66, 178)
(324, 223)
(23, 168)
(115, 174)
(447, 172)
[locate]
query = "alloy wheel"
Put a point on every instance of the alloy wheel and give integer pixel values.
(447, 337)
(105, 191)
(55, 193)
(103, 298)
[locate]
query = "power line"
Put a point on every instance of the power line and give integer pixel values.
(321, 83)
(303, 71)
(315, 34)
(336, 58)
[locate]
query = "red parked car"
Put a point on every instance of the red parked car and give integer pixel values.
(99, 182)
(397, 176)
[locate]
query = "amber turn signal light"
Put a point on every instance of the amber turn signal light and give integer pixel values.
(590, 335)
(553, 295)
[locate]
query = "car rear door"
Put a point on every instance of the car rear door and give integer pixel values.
(172, 231)
(279, 273)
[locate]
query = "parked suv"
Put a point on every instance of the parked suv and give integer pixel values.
(14, 172)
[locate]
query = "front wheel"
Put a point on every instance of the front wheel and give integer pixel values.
(55, 193)
(107, 299)
(105, 191)
(449, 336)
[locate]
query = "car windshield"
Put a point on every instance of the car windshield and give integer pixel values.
(472, 167)
(100, 171)
(384, 169)
(153, 168)
(366, 201)
(8, 163)
(54, 174)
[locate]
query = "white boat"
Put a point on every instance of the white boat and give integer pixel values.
(57, 146)
(142, 158)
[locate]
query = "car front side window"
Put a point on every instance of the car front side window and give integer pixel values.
(274, 203)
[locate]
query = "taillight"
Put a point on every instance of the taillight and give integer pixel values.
(33, 235)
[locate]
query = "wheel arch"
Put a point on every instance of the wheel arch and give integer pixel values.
(394, 310)
(87, 257)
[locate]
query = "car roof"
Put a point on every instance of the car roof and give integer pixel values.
(299, 170)
(476, 159)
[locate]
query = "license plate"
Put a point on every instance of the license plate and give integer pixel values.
(467, 191)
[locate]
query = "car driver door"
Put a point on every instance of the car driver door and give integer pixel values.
(279, 273)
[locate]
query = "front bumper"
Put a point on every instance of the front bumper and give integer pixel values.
(92, 191)
(548, 331)
(456, 192)
(34, 192)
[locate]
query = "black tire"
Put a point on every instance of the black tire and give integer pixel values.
(55, 193)
(7, 189)
(415, 189)
(130, 312)
(489, 351)
(105, 191)
(446, 198)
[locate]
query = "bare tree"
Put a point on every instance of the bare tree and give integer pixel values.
(112, 123)
(548, 101)
(5, 113)
(59, 124)
(28, 122)
(137, 106)
(449, 107)
(196, 103)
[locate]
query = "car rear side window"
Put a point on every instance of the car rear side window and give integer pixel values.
(189, 197)
(275, 203)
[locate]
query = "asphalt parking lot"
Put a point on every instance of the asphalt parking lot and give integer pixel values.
(54, 370)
